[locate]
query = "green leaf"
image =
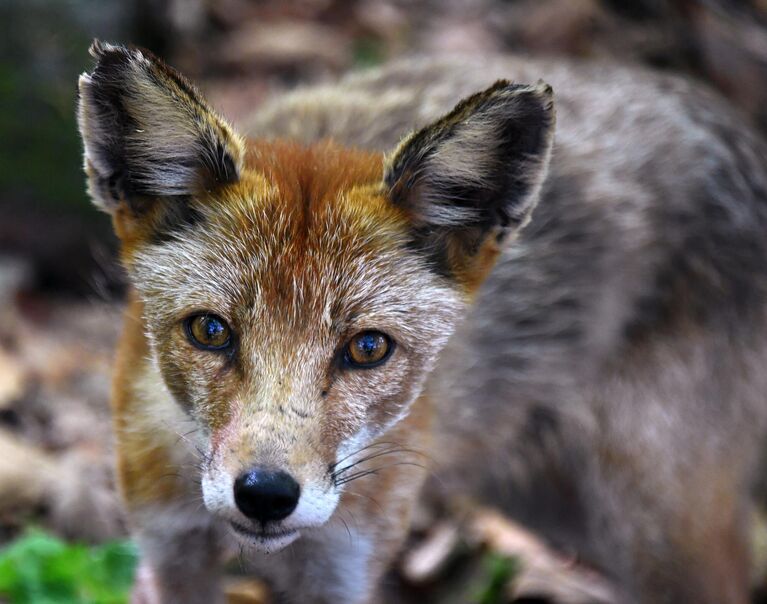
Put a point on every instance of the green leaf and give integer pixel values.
(42, 569)
(498, 573)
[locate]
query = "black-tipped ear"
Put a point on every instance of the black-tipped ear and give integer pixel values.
(477, 170)
(147, 132)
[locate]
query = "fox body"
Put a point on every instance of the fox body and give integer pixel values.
(349, 302)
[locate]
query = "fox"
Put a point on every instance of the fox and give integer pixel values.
(431, 279)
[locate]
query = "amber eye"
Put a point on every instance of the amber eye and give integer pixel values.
(208, 332)
(368, 349)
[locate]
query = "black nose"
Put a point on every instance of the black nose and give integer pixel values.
(266, 495)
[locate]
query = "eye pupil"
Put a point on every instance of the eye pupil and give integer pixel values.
(213, 328)
(368, 349)
(208, 332)
(368, 344)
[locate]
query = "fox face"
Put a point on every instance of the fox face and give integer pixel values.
(296, 298)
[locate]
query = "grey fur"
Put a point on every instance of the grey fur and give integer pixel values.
(610, 379)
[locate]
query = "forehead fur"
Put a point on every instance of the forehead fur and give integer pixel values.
(309, 177)
(305, 231)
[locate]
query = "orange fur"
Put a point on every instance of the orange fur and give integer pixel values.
(145, 470)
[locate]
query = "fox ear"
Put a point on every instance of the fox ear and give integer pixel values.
(475, 172)
(148, 134)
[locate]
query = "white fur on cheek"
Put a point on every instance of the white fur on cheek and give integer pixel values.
(315, 507)
(218, 491)
(352, 445)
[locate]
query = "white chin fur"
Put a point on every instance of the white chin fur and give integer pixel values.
(266, 544)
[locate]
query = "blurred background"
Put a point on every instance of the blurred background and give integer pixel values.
(61, 289)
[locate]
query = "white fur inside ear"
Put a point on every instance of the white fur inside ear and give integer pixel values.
(460, 161)
(484, 160)
(93, 140)
(142, 122)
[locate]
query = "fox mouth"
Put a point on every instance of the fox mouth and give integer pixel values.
(266, 541)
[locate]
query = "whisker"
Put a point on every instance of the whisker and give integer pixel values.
(348, 531)
(170, 475)
(355, 476)
(368, 446)
(392, 447)
(353, 519)
(364, 459)
(339, 473)
(347, 479)
(378, 505)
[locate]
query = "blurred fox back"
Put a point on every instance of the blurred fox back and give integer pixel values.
(608, 386)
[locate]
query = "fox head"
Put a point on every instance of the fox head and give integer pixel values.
(295, 298)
